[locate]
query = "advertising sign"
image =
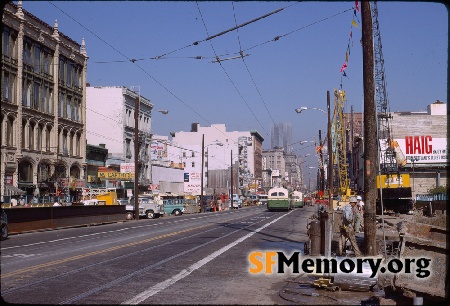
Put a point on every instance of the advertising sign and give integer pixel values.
(75, 183)
(158, 150)
(127, 167)
(422, 149)
(116, 175)
(193, 183)
(9, 179)
(275, 172)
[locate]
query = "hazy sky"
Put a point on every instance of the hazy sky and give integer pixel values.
(293, 57)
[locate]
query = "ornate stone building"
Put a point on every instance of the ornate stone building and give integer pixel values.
(43, 105)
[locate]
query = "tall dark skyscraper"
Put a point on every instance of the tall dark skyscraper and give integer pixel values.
(281, 136)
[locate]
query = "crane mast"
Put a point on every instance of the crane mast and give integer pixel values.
(394, 191)
(340, 143)
(387, 160)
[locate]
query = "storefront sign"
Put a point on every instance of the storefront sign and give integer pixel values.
(9, 179)
(116, 175)
(127, 167)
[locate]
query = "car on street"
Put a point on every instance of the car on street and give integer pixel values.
(235, 204)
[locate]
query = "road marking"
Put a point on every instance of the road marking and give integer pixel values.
(163, 285)
(19, 255)
(56, 262)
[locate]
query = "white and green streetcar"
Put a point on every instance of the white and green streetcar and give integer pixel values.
(278, 199)
(297, 199)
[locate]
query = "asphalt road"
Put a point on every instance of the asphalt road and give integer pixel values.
(188, 259)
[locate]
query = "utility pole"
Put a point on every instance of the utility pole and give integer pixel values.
(201, 183)
(136, 158)
(330, 212)
(231, 180)
(370, 132)
(322, 170)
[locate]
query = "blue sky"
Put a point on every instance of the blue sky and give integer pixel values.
(276, 77)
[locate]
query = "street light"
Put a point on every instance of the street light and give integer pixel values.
(300, 109)
(163, 111)
(305, 141)
(328, 232)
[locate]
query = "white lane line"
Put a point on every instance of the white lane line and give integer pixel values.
(163, 285)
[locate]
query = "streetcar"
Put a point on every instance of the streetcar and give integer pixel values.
(297, 199)
(278, 199)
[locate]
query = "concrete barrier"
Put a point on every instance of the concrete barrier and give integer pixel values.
(25, 219)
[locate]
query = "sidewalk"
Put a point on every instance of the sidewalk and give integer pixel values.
(301, 291)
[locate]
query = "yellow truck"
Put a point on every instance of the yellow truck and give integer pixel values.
(108, 196)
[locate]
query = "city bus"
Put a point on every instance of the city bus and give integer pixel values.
(278, 199)
(297, 199)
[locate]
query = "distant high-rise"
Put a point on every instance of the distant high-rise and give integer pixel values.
(281, 136)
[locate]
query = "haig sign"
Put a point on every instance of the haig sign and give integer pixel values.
(424, 149)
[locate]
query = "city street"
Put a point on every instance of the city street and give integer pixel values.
(190, 259)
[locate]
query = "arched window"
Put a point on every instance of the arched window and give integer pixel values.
(47, 138)
(25, 172)
(31, 135)
(9, 131)
(39, 137)
(24, 124)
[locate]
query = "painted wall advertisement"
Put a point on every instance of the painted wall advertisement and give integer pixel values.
(422, 149)
(158, 150)
(193, 183)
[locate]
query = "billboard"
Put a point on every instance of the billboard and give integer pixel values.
(158, 150)
(192, 182)
(423, 149)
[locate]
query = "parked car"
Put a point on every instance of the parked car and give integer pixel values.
(4, 225)
(147, 208)
(123, 201)
(174, 207)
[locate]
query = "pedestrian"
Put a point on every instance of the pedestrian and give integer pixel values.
(14, 201)
(21, 201)
(350, 215)
(360, 205)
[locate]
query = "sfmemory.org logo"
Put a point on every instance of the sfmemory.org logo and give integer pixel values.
(277, 262)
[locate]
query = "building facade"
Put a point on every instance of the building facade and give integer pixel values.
(110, 121)
(276, 166)
(422, 139)
(281, 136)
(43, 103)
(220, 149)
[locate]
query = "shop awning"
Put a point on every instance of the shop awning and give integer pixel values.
(13, 190)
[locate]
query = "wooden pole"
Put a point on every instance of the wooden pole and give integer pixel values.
(370, 132)
(136, 158)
